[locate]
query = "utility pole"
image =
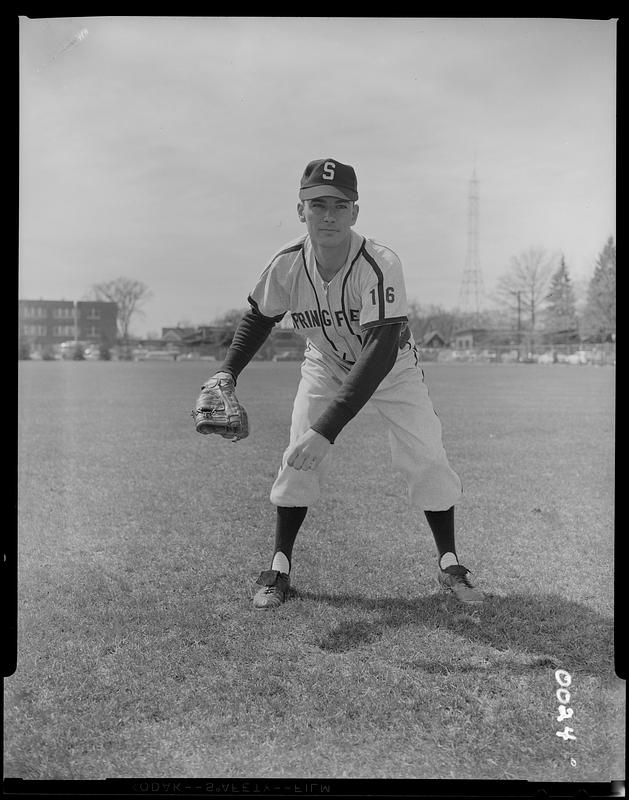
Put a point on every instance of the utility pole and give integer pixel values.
(518, 294)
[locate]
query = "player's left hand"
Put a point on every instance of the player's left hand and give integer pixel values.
(308, 451)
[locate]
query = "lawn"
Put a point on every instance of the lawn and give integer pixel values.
(139, 543)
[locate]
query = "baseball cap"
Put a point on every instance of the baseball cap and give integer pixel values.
(328, 177)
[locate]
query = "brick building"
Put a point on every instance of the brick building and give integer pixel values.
(46, 323)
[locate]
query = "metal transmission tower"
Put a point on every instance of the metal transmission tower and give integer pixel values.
(472, 291)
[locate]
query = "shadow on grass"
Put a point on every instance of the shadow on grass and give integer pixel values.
(548, 630)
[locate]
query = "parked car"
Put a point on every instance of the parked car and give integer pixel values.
(546, 358)
(580, 357)
(69, 349)
(92, 352)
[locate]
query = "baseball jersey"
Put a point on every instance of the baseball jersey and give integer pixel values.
(333, 316)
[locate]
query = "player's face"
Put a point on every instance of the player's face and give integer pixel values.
(328, 219)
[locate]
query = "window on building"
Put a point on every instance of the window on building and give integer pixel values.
(93, 313)
(33, 312)
(63, 313)
(34, 330)
(63, 330)
(93, 332)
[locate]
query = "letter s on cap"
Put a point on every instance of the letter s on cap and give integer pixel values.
(328, 170)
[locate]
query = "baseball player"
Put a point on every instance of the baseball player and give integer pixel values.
(346, 296)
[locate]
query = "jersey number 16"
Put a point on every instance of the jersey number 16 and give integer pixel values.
(389, 294)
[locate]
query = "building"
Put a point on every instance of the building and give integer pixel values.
(433, 339)
(176, 335)
(206, 340)
(211, 340)
(468, 338)
(46, 323)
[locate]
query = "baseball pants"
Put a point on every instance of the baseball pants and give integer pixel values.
(414, 429)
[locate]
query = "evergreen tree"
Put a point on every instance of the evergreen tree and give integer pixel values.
(560, 313)
(599, 316)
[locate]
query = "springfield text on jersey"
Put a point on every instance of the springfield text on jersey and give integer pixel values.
(367, 291)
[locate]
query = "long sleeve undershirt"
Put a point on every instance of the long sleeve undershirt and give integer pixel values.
(252, 332)
(376, 359)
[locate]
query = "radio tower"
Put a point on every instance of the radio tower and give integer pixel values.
(472, 292)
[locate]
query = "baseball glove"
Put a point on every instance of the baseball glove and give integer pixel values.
(218, 410)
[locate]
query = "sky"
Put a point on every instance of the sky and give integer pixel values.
(169, 150)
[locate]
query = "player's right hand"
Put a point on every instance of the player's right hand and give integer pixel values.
(308, 451)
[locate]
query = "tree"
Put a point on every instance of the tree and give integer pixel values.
(423, 320)
(128, 294)
(599, 315)
(229, 321)
(560, 314)
(523, 289)
(24, 351)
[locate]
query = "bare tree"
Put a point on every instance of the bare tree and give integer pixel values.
(230, 319)
(424, 319)
(128, 294)
(523, 289)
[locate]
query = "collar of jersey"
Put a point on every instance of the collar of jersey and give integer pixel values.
(311, 261)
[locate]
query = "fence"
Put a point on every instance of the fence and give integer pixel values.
(575, 354)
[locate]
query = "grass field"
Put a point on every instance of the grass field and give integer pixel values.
(139, 542)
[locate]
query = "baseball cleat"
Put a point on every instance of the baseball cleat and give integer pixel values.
(274, 591)
(454, 580)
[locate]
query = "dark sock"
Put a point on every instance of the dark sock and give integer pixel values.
(289, 519)
(442, 527)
